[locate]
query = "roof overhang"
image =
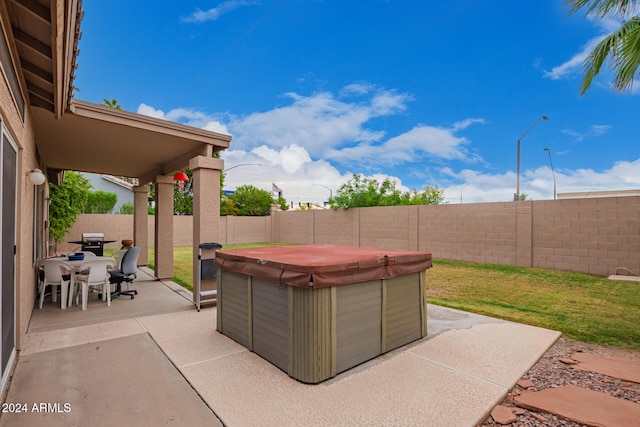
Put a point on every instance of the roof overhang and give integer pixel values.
(46, 34)
(100, 139)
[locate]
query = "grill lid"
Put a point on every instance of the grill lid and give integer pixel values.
(92, 237)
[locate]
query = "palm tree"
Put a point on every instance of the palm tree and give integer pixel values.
(622, 46)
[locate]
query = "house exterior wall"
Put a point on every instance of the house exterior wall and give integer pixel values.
(23, 136)
(125, 195)
(593, 236)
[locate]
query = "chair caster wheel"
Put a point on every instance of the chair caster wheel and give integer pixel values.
(132, 297)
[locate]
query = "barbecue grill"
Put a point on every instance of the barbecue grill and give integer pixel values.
(93, 242)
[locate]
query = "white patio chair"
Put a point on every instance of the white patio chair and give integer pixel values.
(54, 272)
(98, 277)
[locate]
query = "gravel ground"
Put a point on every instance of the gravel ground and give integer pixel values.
(550, 372)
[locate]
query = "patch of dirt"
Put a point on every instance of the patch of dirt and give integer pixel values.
(550, 372)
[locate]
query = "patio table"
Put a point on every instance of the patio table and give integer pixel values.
(76, 265)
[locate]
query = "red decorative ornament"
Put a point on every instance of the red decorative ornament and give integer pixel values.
(180, 177)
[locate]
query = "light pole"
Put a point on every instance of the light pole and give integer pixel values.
(516, 196)
(330, 190)
(242, 164)
(553, 172)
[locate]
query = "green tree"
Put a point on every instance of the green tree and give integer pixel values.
(183, 202)
(282, 203)
(113, 103)
(428, 196)
(126, 208)
(183, 195)
(251, 201)
(361, 192)
(100, 202)
(68, 200)
(622, 47)
(227, 206)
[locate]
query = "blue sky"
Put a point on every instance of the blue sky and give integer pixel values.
(425, 93)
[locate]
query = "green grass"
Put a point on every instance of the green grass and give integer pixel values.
(183, 261)
(583, 307)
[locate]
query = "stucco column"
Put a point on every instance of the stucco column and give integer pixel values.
(163, 254)
(141, 222)
(206, 209)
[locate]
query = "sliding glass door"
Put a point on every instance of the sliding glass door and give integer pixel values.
(9, 170)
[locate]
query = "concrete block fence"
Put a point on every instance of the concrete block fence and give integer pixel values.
(594, 235)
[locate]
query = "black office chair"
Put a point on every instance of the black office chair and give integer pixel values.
(126, 273)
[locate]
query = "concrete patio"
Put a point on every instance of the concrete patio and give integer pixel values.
(156, 360)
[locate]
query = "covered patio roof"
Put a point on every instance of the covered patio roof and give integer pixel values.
(100, 139)
(77, 135)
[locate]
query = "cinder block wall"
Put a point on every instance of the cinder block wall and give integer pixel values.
(393, 227)
(295, 227)
(246, 229)
(483, 232)
(114, 227)
(587, 235)
(120, 227)
(593, 236)
(334, 227)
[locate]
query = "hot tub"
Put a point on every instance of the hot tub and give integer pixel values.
(317, 310)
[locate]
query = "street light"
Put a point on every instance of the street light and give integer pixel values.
(516, 196)
(330, 190)
(553, 172)
(242, 164)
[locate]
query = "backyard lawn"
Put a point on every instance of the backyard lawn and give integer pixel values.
(583, 307)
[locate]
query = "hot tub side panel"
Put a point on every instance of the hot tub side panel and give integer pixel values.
(405, 310)
(234, 316)
(358, 323)
(311, 336)
(271, 321)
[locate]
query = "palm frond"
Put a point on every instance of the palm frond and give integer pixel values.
(602, 8)
(627, 60)
(623, 47)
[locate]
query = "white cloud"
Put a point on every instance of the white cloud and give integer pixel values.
(319, 122)
(186, 116)
(147, 110)
(290, 158)
(357, 88)
(477, 187)
(575, 64)
(216, 12)
(420, 142)
(598, 130)
(292, 169)
(299, 145)
(594, 131)
(335, 128)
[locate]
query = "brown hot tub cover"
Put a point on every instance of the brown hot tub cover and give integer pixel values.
(322, 266)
